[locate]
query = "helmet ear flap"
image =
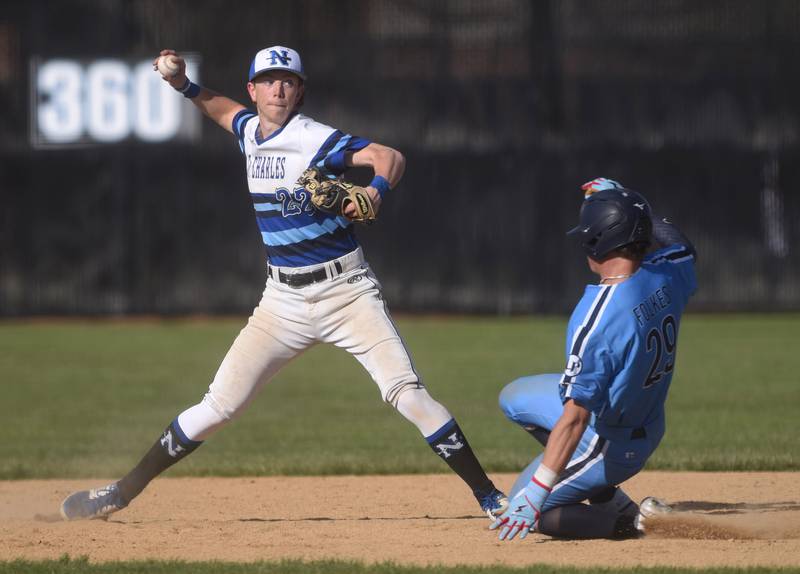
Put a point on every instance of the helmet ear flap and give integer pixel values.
(643, 230)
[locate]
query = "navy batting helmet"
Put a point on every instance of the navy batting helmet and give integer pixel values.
(611, 219)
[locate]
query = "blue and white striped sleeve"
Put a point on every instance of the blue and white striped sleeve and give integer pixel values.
(330, 158)
(589, 387)
(589, 358)
(238, 123)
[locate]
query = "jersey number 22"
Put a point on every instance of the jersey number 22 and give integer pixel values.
(295, 202)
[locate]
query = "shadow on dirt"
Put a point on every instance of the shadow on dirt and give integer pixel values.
(721, 508)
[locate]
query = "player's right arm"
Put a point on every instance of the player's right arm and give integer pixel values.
(217, 107)
(665, 234)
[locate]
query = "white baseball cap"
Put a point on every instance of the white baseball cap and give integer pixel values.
(276, 58)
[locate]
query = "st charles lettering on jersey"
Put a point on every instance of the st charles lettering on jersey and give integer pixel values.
(650, 306)
(266, 167)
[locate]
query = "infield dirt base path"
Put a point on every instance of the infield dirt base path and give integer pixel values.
(725, 519)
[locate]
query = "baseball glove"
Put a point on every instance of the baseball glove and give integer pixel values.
(334, 195)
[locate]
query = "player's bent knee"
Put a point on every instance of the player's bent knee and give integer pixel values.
(427, 414)
(393, 393)
(513, 398)
(521, 395)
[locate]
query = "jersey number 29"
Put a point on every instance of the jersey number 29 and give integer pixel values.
(662, 341)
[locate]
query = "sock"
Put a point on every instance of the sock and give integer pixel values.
(452, 447)
(579, 521)
(172, 446)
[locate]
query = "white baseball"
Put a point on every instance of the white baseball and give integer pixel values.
(168, 66)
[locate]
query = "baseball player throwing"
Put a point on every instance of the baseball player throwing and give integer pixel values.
(319, 287)
(602, 418)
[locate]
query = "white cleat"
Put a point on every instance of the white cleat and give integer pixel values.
(648, 508)
(95, 503)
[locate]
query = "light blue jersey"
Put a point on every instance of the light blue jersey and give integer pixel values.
(294, 232)
(622, 341)
(621, 346)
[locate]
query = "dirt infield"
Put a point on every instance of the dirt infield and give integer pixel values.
(726, 519)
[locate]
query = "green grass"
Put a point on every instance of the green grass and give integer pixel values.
(75, 566)
(86, 399)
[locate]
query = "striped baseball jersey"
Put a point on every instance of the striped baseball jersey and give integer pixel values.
(622, 341)
(294, 232)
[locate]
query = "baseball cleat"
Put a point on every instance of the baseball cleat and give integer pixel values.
(649, 507)
(493, 504)
(95, 503)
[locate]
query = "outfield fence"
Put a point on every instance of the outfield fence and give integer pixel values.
(502, 108)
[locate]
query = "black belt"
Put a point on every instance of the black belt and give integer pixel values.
(639, 433)
(303, 279)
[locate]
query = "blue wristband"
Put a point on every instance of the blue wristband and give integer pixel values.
(379, 182)
(189, 89)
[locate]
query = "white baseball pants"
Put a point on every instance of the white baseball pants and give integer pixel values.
(345, 309)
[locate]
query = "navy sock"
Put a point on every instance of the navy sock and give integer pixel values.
(582, 521)
(171, 447)
(452, 447)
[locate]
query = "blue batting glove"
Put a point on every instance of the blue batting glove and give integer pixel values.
(523, 512)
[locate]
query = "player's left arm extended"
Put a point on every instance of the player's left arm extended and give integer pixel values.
(525, 508)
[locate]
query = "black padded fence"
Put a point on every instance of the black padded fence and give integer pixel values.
(502, 110)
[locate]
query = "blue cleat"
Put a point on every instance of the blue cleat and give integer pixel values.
(493, 504)
(95, 503)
